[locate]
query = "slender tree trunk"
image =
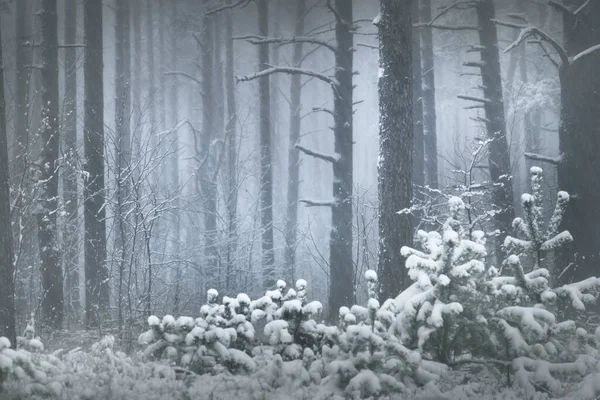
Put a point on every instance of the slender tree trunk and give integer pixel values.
(151, 69)
(418, 139)
(162, 58)
(579, 136)
(499, 158)
(232, 191)
(7, 286)
(266, 171)
(208, 156)
(52, 283)
(293, 181)
(340, 258)
(395, 143)
(23, 24)
(174, 104)
(69, 174)
(136, 88)
(123, 138)
(96, 274)
(428, 93)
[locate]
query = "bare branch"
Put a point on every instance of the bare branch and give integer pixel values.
(547, 159)
(325, 157)
(318, 203)
(584, 5)
(459, 5)
(184, 74)
(475, 64)
(335, 12)
(287, 70)
(257, 40)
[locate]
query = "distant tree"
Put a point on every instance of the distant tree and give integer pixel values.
(96, 274)
(7, 288)
(52, 278)
(266, 160)
(395, 143)
(418, 143)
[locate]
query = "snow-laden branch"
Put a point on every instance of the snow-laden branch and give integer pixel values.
(318, 203)
(447, 27)
(240, 3)
(528, 31)
(547, 159)
(257, 40)
(586, 52)
(322, 156)
(458, 5)
(287, 70)
(476, 99)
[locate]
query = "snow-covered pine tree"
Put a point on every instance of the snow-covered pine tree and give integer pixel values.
(441, 313)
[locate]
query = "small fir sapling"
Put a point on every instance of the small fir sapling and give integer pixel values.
(29, 341)
(440, 313)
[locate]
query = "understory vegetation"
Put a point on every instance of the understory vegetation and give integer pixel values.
(462, 329)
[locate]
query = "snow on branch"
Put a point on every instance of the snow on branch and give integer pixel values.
(325, 157)
(586, 52)
(318, 203)
(476, 99)
(446, 27)
(547, 159)
(458, 5)
(240, 3)
(528, 31)
(287, 70)
(258, 40)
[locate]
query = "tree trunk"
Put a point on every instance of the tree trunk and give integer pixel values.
(149, 19)
(123, 140)
(428, 93)
(70, 174)
(7, 287)
(499, 158)
(162, 58)
(231, 129)
(395, 143)
(52, 283)
(266, 171)
(418, 139)
(96, 275)
(23, 23)
(340, 258)
(208, 157)
(293, 182)
(579, 136)
(136, 87)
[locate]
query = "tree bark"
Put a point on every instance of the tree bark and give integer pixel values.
(293, 182)
(395, 144)
(499, 157)
(52, 283)
(428, 93)
(231, 130)
(266, 171)
(123, 140)
(136, 88)
(7, 287)
(579, 137)
(70, 174)
(96, 274)
(340, 249)
(418, 140)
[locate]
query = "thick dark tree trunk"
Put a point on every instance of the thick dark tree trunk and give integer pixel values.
(96, 274)
(418, 140)
(499, 158)
(69, 174)
(232, 167)
(52, 279)
(395, 143)
(428, 93)
(123, 141)
(291, 221)
(266, 170)
(340, 248)
(207, 183)
(7, 287)
(579, 134)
